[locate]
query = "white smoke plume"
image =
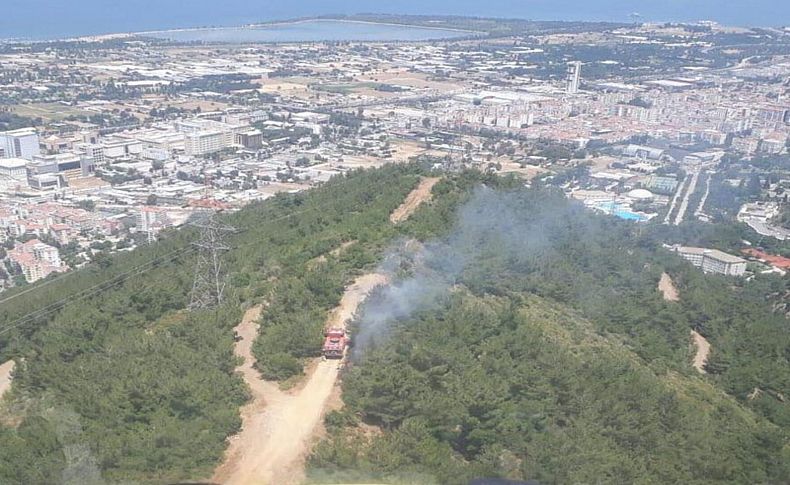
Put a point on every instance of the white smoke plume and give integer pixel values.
(490, 222)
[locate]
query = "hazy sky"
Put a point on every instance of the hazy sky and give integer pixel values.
(53, 18)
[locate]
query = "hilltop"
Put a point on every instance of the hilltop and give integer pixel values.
(530, 341)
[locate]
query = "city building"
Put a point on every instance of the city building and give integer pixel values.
(661, 184)
(94, 151)
(574, 77)
(251, 139)
(13, 171)
(36, 259)
(151, 220)
(712, 260)
(206, 142)
(758, 215)
(22, 143)
(66, 163)
(205, 136)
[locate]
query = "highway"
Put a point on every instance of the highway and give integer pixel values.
(674, 202)
(699, 211)
(689, 192)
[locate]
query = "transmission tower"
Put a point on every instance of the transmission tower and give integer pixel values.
(209, 283)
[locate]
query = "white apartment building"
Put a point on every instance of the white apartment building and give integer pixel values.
(207, 136)
(152, 219)
(22, 143)
(713, 260)
(574, 77)
(205, 142)
(13, 170)
(93, 151)
(160, 145)
(37, 260)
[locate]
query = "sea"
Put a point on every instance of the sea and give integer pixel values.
(54, 19)
(311, 31)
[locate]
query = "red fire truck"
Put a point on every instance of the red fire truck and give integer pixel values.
(335, 343)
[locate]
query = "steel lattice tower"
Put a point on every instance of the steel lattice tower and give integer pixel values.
(209, 283)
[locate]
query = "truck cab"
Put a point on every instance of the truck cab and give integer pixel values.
(335, 342)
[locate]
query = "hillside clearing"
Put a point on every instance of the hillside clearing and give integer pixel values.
(422, 193)
(667, 288)
(703, 350)
(6, 370)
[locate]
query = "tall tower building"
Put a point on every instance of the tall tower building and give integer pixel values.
(574, 77)
(22, 143)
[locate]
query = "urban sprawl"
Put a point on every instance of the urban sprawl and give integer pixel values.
(106, 142)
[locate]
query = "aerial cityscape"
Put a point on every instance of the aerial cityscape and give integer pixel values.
(396, 248)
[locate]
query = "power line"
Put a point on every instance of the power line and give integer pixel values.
(99, 287)
(95, 289)
(209, 282)
(36, 287)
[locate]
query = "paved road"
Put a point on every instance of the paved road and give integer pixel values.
(689, 192)
(704, 199)
(674, 202)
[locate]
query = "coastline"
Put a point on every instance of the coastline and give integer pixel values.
(252, 26)
(278, 23)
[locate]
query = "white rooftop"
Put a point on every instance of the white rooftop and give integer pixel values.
(9, 163)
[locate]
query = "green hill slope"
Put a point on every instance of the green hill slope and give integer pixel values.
(150, 386)
(552, 356)
(518, 387)
(537, 347)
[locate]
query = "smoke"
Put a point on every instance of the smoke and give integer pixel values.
(82, 467)
(491, 228)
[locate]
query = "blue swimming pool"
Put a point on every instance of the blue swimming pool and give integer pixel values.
(619, 210)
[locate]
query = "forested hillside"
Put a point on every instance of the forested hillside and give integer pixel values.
(529, 341)
(125, 383)
(516, 387)
(546, 352)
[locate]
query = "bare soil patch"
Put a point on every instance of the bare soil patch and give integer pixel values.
(6, 370)
(703, 350)
(667, 288)
(417, 196)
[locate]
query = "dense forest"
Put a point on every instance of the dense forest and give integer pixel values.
(12, 121)
(537, 346)
(125, 384)
(549, 354)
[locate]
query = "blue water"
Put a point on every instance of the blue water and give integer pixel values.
(318, 30)
(620, 211)
(49, 19)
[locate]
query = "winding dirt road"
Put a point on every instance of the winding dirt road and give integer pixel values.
(278, 427)
(670, 292)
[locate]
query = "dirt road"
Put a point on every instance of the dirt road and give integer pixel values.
(667, 288)
(5, 376)
(417, 196)
(703, 350)
(278, 427)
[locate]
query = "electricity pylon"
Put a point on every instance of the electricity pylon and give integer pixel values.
(209, 283)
